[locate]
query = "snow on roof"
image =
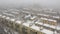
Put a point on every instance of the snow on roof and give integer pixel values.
(15, 12)
(39, 23)
(48, 19)
(7, 17)
(18, 22)
(52, 20)
(12, 19)
(35, 27)
(26, 24)
(43, 14)
(56, 17)
(43, 30)
(58, 28)
(8, 14)
(47, 25)
(47, 31)
(33, 17)
(55, 21)
(44, 18)
(0, 15)
(3, 16)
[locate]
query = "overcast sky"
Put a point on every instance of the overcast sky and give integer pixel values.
(42, 3)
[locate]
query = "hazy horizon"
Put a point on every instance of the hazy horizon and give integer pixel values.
(25, 3)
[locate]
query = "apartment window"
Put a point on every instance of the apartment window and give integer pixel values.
(24, 30)
(33, 32)
(17, 27)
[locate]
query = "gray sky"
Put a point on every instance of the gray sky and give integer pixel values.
(42, 3)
